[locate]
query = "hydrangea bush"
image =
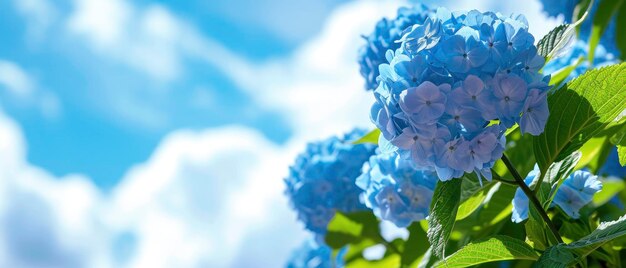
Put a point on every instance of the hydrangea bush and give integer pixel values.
(463, 104)
(322, 179)
(451, 79)
(395, 190)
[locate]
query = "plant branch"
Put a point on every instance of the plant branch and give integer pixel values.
(531, 196)
(500, 179)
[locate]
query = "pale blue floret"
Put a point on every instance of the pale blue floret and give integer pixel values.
(451, 77)
(576, 191)
(395, 190)
(384, 38)
(313, 254)
(322, 180)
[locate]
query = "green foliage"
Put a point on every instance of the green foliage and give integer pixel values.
(370, 137)
(353, 228)
(554, 176)
(555, 41)
(446, 199)
(564, 255)
(601, 19)
(473, 194)
(619, 139)
(559, 76)
(415, 247)
(579, 111)
(610, 188)
(497, 248)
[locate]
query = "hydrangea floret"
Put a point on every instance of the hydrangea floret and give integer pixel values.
(576, 191)
(455, 85)
(396, 191)
(322, 180)
(384, 37)
(312, 254)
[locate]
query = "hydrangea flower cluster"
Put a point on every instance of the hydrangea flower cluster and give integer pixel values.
(576, 191)
(565, 8)
(395, 190)
(315, 255)
(452, 77)
(384, 37)
(580, 49)
(323, 179)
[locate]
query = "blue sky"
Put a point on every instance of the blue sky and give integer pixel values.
(92, 134)
(157, 133)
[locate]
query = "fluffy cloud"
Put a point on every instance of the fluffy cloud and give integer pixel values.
(200, 197)
(146, 39)
(203, 199)
(44, 220)
(22, 87)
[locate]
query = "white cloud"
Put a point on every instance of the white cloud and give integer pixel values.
(44, 221)
(145, 39)
(23, 86)
(41, 15)
(201, 195)
(15, 79)
(199, 201)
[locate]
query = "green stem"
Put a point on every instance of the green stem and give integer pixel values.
(500, 179)
(531, 196)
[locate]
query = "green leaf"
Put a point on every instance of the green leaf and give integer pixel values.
(555, 257)
(591, 150)
(601, 19)
(370, 137)
(536, 231)
(560, 75)
(443, 211)
(554, 177)
(415, 247)
(352, 228)
(556, 41)
(619, 139)
(610, 188)
(388, 261)
(498, 205)
(620, 39)
(580, 110)
(472, 202)
(563, 255)
(497, 248)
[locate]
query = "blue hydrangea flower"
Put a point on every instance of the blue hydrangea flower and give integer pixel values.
(395, 190)
(565, 9)
(323, 179)
(447, 95)
(384, 38)
(576, 191)
(580, 49)
(313, 254)
(612, 167)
